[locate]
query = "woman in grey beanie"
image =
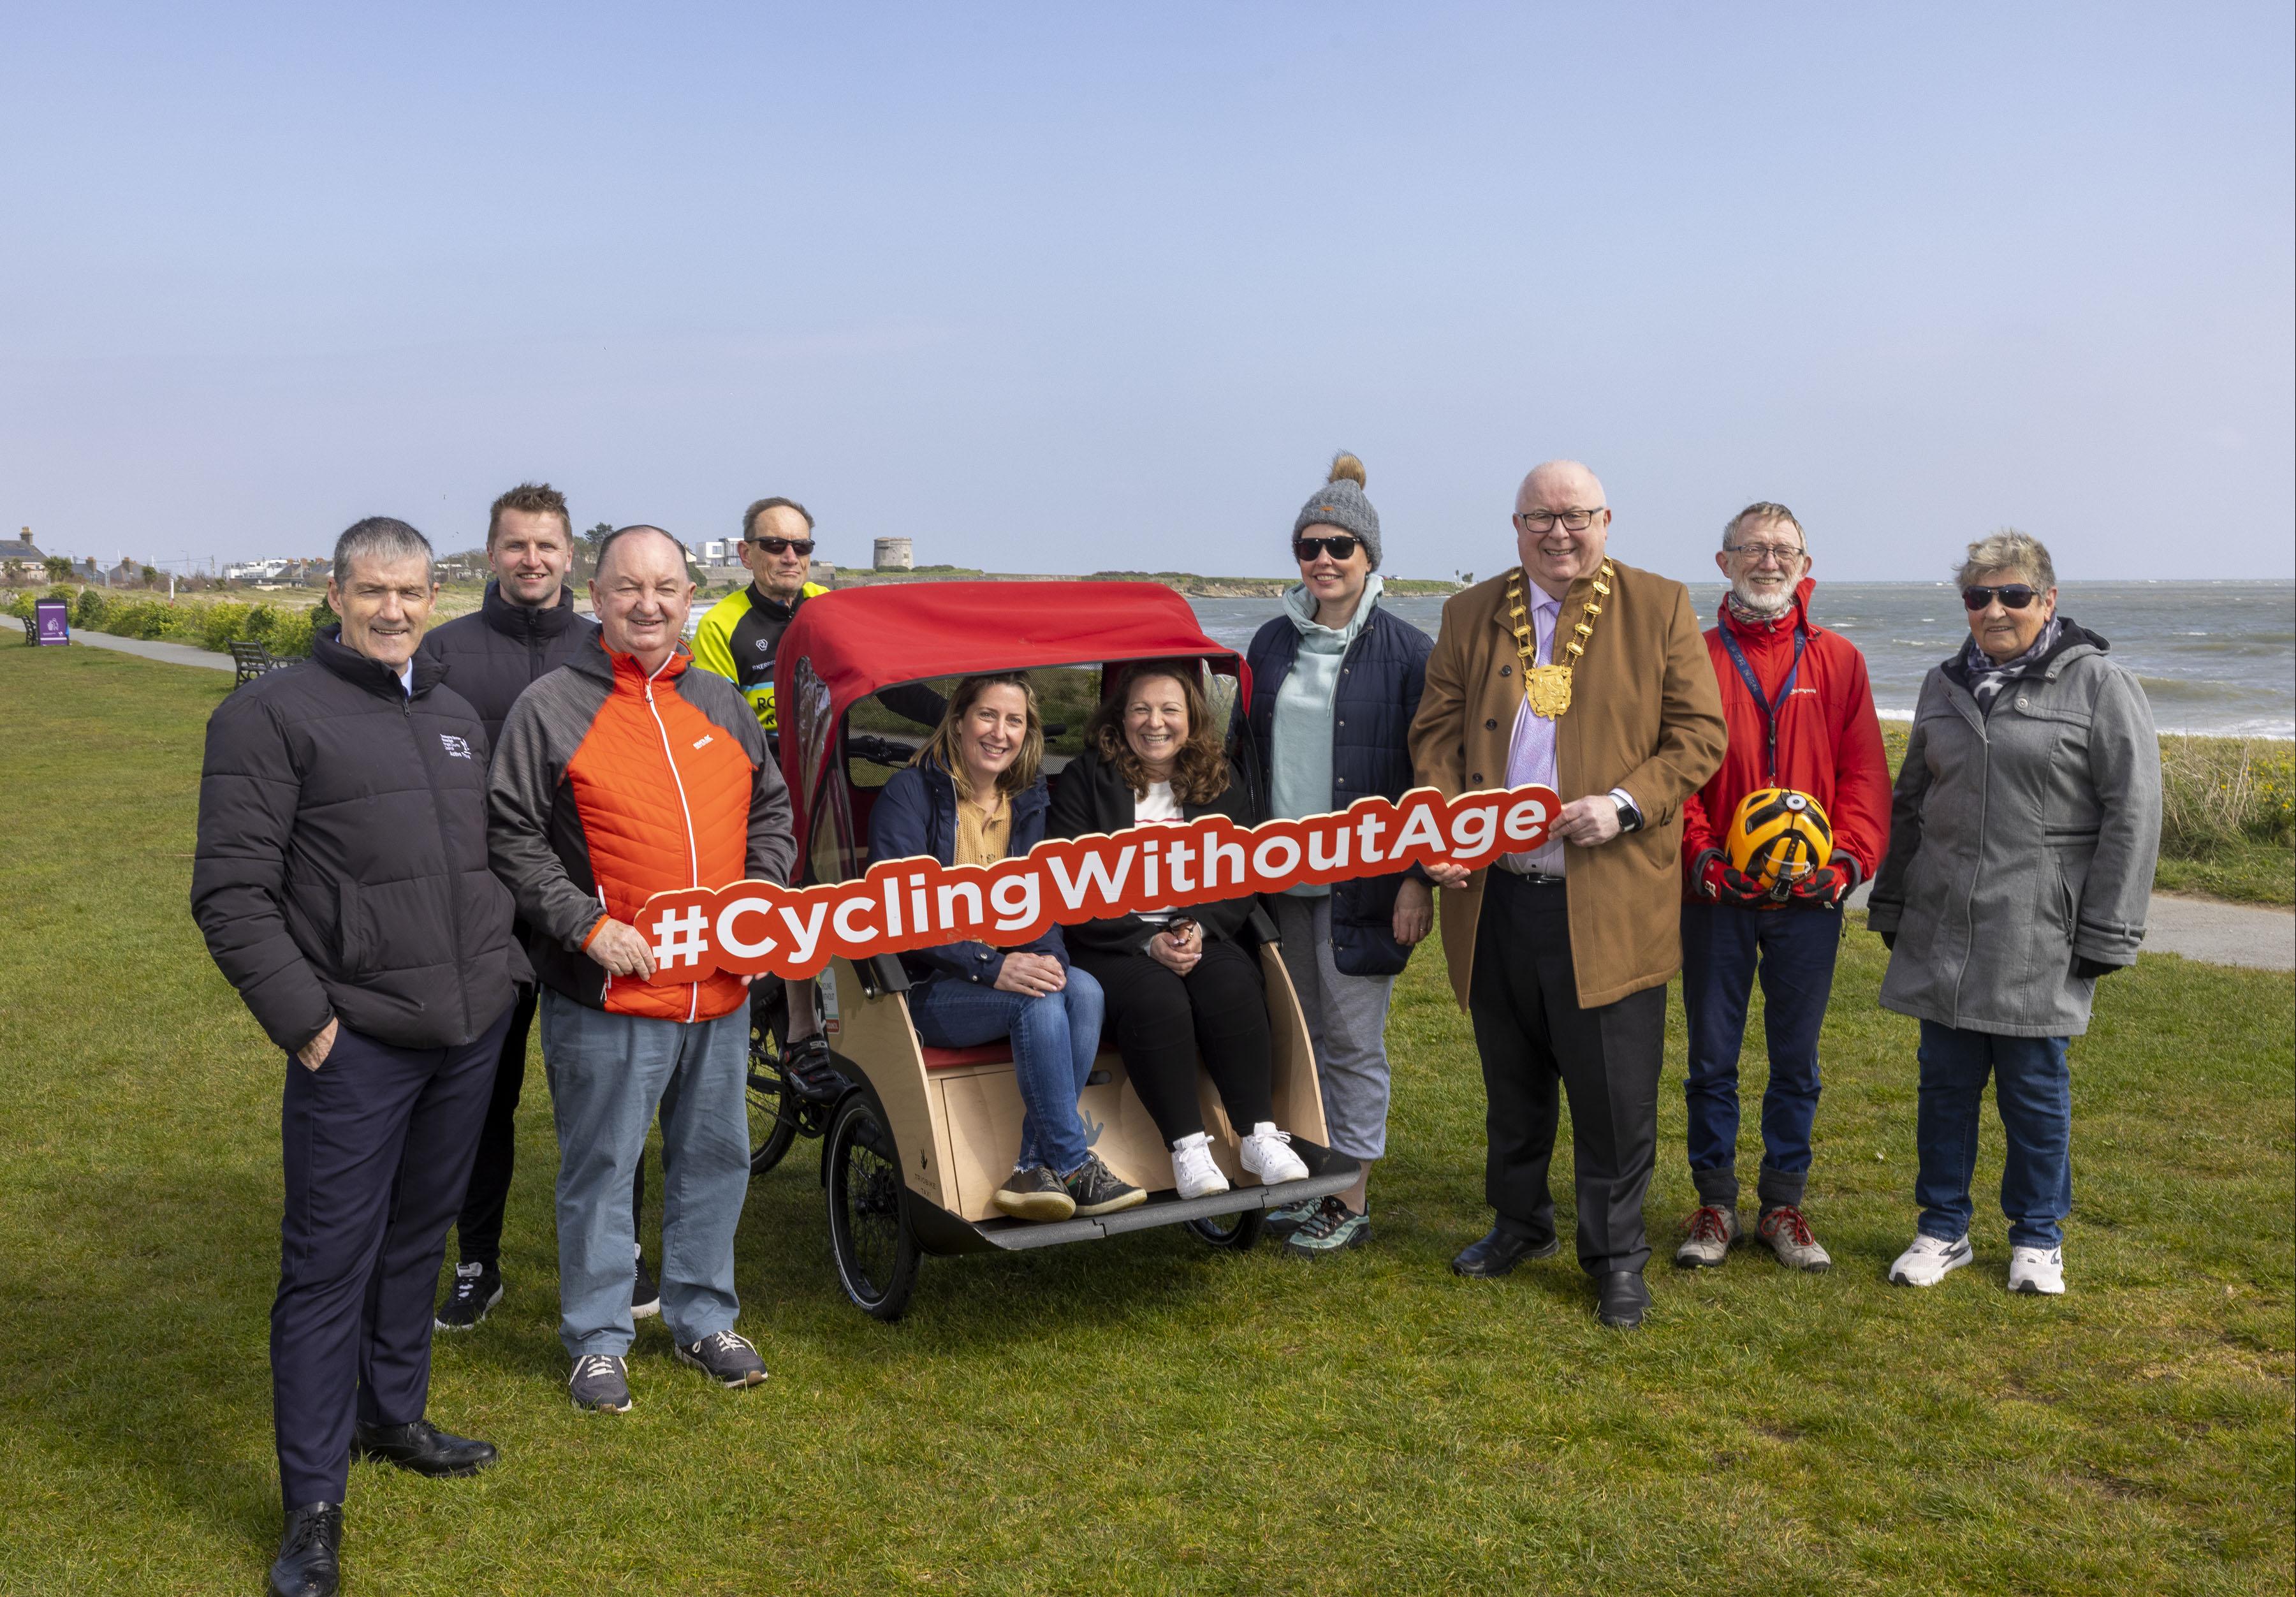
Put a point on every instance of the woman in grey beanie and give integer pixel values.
(1335, 680)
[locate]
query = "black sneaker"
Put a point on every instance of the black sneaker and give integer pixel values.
(726, 1357)
(600, 1384)
(1035, 1193)
(478, 1288)
(645, 1296)
(807, 1068)
(1096, 1190)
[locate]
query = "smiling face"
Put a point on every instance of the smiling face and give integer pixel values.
(2004, 633)
(991, 733)
(1156, 723)
(1336, 585)
(530, 553)
(1552, 554)
(642, 594)
(780, 576)
(385, 605)
(1763, 561)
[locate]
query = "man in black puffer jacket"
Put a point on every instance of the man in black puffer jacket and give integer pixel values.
(341, 883)
(527, 625)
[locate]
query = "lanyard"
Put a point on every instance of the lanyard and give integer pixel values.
(1770, 710)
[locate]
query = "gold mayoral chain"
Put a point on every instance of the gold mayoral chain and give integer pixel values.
(1547, 688)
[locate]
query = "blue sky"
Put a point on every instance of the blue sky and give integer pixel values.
(1067, 288)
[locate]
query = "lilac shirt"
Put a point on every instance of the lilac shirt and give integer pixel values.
(1531, 750)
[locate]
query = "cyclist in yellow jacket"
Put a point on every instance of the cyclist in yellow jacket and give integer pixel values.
(741, 633)
(738, 640)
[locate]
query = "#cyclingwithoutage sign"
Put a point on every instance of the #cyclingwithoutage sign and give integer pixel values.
(761, 928)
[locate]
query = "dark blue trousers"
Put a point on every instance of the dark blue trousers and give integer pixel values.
(1725, 947)
(376, 1145)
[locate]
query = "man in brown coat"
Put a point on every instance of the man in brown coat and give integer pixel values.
(1590, 677)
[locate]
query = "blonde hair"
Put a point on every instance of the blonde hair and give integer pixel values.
(943, 749)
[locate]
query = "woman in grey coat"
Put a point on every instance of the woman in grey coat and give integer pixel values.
(2023, 838)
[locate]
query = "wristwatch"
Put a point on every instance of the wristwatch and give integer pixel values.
(1630, 820)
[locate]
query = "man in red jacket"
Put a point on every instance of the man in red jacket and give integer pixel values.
(1801, 714)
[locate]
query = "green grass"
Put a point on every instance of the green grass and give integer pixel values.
(1141, 1414)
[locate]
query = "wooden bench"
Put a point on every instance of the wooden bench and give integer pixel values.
(251, 660)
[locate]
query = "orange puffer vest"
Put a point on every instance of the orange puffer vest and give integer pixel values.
(663, 794)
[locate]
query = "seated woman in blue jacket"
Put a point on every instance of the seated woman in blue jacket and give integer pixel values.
(973, 796)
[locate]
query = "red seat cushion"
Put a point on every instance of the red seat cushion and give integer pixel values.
(999, 1052)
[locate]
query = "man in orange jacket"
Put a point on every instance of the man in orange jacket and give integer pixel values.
(623, 774)
(1800, 715)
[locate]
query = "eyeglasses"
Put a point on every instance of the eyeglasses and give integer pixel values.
(1342, 547)
(782, 545)
(1543, 521)
(1758, 552)
(2014, 596)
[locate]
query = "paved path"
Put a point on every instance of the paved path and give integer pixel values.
(2199, 928)
(2256, 936)
(174, 654)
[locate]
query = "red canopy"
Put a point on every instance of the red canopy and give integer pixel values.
(843, 647)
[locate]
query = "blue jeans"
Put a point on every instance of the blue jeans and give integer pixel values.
(1724, 946)
(2033, 1089)
(1055, 1038)
(608, 1074)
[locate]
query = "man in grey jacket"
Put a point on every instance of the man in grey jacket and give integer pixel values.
(2022, 836)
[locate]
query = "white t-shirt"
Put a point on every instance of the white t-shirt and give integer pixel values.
(1159, 809)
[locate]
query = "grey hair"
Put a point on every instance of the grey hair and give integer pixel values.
(2009, 550)
(379, 538)
(1764, 511)
(614, 537)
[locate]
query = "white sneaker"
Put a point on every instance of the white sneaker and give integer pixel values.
(1930, 1261)
(1267, 1154)
(2040, 1270)
(1192, 1170)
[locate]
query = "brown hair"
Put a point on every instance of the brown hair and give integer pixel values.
(534, 498)
(942, 748)
(750, 517)
(1200, 770)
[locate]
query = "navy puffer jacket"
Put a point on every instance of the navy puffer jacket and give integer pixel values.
(1381, 677)
(915, 815)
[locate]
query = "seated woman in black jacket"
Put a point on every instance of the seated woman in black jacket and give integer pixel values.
(972, 796)
(1176, 980)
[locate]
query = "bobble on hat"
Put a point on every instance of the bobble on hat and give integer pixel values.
(1340, 503)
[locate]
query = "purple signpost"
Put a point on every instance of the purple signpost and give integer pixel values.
(52, 621)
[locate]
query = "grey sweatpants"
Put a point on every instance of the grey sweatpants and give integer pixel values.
(608, 1075)
(1346, 1022)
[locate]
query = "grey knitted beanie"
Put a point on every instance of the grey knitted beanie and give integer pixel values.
(1340, 503)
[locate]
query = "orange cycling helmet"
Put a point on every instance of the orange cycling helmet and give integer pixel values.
(1777, 838)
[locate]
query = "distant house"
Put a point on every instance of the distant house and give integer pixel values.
(20, 561)
(127, 574)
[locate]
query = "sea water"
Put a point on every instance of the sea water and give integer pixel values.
(2214, 657)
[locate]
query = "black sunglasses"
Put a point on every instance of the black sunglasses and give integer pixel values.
(2014, 595)
(1342, 547)
(779, 545)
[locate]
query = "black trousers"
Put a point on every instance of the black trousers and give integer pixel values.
(477, 1232)
(1533, 1037)
(376, 1148)
(1163, 1020)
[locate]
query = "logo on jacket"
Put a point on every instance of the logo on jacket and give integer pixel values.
(706, 739)
(456, 748)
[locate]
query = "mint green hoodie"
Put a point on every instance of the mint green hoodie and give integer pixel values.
(1299, 747)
